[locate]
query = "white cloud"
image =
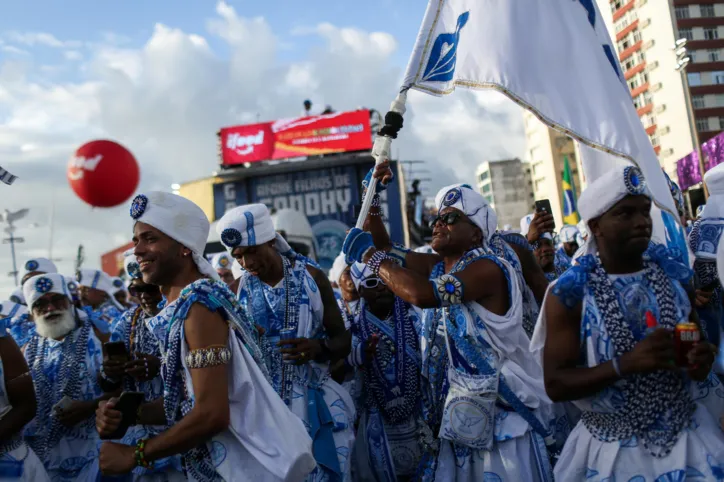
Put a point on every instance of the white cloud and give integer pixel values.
(40, 38)
(72, 55)
(166, 100)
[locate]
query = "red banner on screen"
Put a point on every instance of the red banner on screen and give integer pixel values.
(305, 136)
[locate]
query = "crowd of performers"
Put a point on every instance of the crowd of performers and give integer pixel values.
(586, 354)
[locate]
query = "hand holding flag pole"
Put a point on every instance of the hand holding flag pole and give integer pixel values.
(382, 148)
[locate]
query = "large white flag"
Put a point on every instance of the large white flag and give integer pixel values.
(553, 57)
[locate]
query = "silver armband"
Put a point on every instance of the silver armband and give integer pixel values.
(398, 253)
(208, 357)
(448, 290)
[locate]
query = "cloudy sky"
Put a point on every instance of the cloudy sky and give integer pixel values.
(161, 77)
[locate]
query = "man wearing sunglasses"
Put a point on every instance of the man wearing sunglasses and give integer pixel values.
(386, 345)
(140, 370)
(472, 333)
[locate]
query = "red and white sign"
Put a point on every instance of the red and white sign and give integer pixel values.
(305, 136)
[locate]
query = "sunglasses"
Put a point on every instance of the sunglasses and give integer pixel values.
(448, 218)
(371, 283)
(58, 301)
(148, 289)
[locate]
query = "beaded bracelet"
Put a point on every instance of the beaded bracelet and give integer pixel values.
(375, 201)
(376, 260)
(140, 455)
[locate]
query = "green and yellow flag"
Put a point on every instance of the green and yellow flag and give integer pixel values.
(570, 211)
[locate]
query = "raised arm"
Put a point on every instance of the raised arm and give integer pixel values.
(480, 281)
(19, 387)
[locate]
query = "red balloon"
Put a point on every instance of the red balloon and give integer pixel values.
(103, 173)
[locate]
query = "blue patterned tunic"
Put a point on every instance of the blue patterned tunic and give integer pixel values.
(479, 338)
(131, 329)
(22, 329)
(387, 441)
(108, 313)
(326, 409)
(614, 452)
(259, 420)
(65, 368)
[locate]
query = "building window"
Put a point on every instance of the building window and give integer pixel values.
(655, 140)
(717, 77)
(489, 198)
(686, 33)
(615, 5)
(486, 188)
(713, 55)
(694, 79)
(711, 33)
(702, 125)
(648, 120)
(682, 12)
(706, 10)
(721, 122)
(698, 101)
(484, 176)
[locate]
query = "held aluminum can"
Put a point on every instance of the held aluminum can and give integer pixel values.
(686, 335)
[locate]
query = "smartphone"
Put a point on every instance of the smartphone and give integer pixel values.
(543, 206)
(116, 350)
(128, 404)
(62, 404)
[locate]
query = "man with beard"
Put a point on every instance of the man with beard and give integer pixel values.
(386, 345)
(226, 421)
(17, 409)
(472, 334)
(142, 372)
(606, 332)
(222, 264)
(64, 357)
(96, 294)
(293, 302)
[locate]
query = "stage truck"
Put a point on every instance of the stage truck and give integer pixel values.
(308, 171)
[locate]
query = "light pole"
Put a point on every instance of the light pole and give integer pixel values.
(9, 218)
(682, 61)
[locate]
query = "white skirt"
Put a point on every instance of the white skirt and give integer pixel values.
(519, 459)
(697, 455)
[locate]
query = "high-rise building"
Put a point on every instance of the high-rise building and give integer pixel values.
(546, 149)
(645, 32)
(507, 186)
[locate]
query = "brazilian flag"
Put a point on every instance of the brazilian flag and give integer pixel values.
(570, 211)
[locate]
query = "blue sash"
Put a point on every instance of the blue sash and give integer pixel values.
(321, 425)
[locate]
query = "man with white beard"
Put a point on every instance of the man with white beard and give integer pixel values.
(64, 357)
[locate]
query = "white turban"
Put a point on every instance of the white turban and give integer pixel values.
(40, 265)
(603, 193)
(222, 261)
(582, 228)
(360, 272)
(714, 179)
(130, 263)
(179, 219)
(97, 279)
(338, 267)
(525, 223)
(37, 286)
(249, 225)
(9, 309)
(568, 234)
(17, 296)
(463, 198)
(117, 285)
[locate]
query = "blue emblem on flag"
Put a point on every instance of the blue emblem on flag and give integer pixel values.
(443, 56)
(607, 49)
